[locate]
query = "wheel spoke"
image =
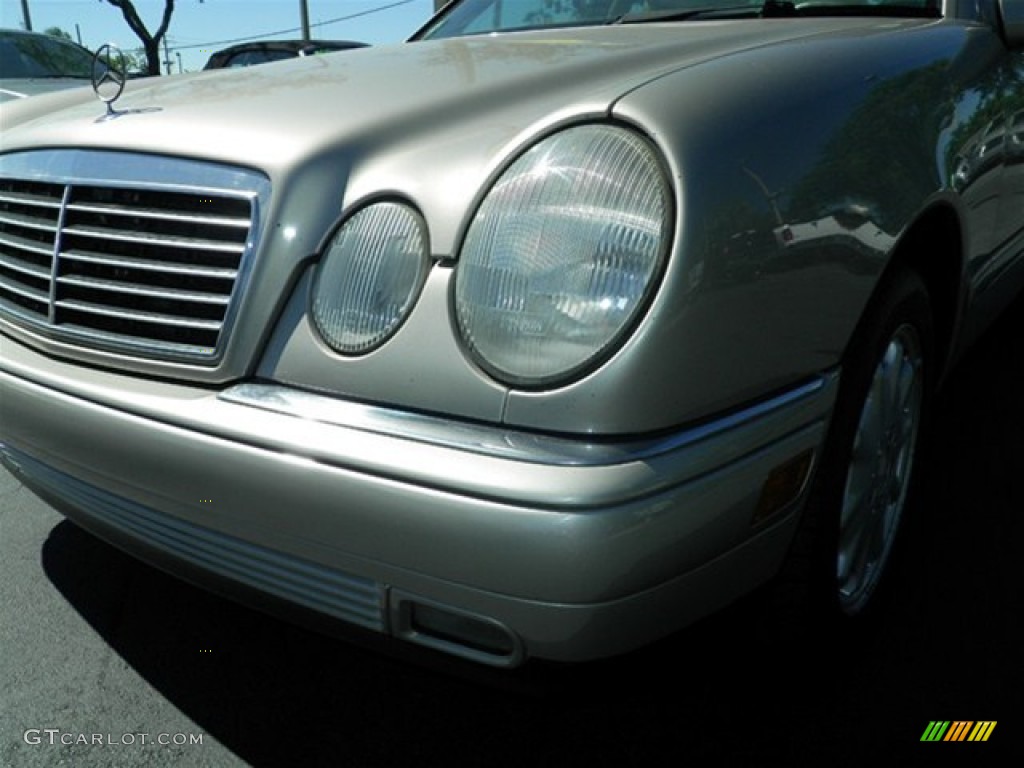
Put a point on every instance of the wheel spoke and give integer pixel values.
(860, 481)
(907, 386)
(851, 540)
(878, 473)
(872, 423)
(886, 377)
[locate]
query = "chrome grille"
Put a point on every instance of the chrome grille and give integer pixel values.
(149, 268)
(29, 218)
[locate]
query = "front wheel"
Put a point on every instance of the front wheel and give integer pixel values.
(878, 471)
(863, 490)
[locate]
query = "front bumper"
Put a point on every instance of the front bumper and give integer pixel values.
(564, 549)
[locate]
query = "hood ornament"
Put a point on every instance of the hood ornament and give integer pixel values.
(109, 73)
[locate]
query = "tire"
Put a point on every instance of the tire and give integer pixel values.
(863, 490)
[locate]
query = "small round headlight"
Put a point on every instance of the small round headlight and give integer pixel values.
(369, 277)
(563, 254)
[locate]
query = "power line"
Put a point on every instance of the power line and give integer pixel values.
(219, 43)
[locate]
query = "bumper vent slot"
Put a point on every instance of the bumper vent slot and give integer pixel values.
(350, 598)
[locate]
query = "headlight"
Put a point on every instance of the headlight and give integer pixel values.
(563, 254)
(369, 277)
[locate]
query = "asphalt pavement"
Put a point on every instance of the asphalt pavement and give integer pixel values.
(108, 662)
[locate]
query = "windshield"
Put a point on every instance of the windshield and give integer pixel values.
(474, 17)
(32, 56)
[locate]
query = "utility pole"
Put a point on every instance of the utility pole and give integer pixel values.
(167, 56)
(304, 12)
(25, 13)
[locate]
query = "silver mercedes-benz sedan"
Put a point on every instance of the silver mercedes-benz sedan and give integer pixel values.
(538, 336)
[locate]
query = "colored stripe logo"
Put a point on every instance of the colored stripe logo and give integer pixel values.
(958, 730)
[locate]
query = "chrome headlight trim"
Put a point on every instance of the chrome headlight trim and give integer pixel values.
(369, 277)
(563, 255)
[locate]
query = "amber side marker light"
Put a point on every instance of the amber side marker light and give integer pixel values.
(783, 486)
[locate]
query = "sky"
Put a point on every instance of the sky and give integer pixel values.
(199, 27)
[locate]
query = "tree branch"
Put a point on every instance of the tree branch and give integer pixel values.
(150, 42)
(127, 9)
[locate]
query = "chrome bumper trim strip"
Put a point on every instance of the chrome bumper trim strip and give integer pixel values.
(508, 443)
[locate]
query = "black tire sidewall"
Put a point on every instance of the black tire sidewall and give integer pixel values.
(901, 299)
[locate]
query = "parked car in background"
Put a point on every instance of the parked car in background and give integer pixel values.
(540, 336)
(248, 54)
(32, 63)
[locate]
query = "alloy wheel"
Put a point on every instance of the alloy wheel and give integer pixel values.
(879, 473)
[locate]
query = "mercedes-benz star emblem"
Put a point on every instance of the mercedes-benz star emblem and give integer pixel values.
(109, 70)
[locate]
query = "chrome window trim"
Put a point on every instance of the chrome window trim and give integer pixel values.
(134, 171)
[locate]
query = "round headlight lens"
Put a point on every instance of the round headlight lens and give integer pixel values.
(562, 254)
(369, 277)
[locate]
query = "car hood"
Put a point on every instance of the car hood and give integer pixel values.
(273, 116)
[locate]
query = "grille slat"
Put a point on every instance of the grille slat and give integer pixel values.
(9, 262)
(222, 273)
(144, 238)
(19, 289)
(29, 194)
(172, 294)
(155, 215)
(147, 263)
(9, 242)
(22, 221)
(136, 316)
